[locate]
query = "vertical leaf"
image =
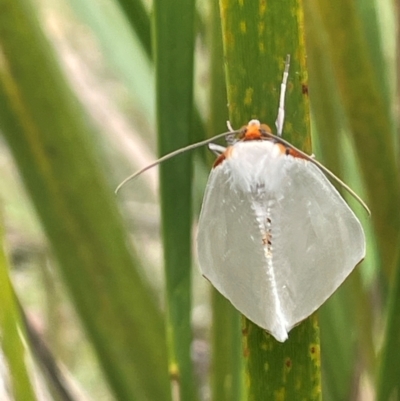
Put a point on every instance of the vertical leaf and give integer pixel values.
(257, 36)
(365, 103)
(349, 79)
(139, 21)
(11, 331)
(50, 141)
(388, 384)
(174, 79)
(227, 361)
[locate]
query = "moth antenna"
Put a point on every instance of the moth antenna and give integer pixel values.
(171, 155)
(230, 139)
(229, 125)
(280, 119)
(324, 169)
(341, 183)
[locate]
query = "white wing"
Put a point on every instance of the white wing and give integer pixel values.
(275, 237)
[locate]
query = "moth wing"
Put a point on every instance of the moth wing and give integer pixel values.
(231, 254)
(316, 241)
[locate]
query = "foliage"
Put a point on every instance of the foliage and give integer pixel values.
(84, 87)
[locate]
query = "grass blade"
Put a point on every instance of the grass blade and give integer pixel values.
(227, 359)
(388, 385)
(11, 329)
(139, 21)
(365, 104)
(257, 37)
(48, 136)
(174, 80)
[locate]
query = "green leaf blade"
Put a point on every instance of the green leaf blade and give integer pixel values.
(50, 141)
(257, 38)
(174, 91)
(11, 335)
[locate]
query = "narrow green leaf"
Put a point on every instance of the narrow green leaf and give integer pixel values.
(227, 360)
(48, 136)
(327, 109)
(257, 37)
(388, 383)
(174, 46)
(11, 331)
(365, 103)
(338, 345)
(350, 95)
(287, 371)
(139, 21)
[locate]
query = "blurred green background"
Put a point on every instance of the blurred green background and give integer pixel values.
(80, 97)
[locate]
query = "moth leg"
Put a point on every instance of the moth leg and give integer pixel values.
(218, 150)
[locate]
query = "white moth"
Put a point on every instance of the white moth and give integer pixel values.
(275, 237)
